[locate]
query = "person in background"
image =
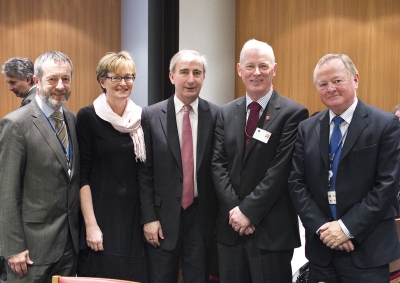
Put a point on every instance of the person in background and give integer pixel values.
(396, 110)
(345, 179)
(19, 77)
(178, 200)
(257, 228)
(111, 145)
(39, 188)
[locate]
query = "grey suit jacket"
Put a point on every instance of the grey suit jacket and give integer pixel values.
(39, 201)
(367, 184)
(29, 96)
(161, 176)
(256, 179)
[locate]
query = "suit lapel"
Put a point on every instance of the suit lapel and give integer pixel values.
(240, 125)
(203, 130)
(168, 123)
(272, 111)
(357, 125)
(44, 127)
(322, 133)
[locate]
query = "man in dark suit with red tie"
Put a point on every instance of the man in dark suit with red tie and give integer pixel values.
(178, 201)
(345, 179)
(257, 227)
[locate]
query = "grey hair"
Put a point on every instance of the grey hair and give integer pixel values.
(181, 53)
(351, 68)
(18, 67)
(57, 56)
(253, 43)
(397, 107)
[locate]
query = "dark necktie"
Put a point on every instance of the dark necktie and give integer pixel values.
(187, 159)
(61, 130)
(335, 148)
(252, 120)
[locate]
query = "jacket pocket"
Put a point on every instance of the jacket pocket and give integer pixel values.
(365, 150)
(34, 216)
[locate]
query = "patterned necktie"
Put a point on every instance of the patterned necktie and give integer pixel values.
(252, 120)
(336, 138)
(61, 130)
(187, 159)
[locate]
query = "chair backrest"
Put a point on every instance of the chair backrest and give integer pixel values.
(68, 279)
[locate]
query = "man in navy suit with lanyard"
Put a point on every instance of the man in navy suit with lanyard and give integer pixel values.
(345, 179)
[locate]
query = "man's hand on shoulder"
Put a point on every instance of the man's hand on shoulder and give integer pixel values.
(19, 263)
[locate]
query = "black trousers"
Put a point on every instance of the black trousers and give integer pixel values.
(191, 249)
(342, 270)
(244, 262)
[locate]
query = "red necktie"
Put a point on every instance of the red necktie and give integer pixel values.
(187, 159)
(252, 121)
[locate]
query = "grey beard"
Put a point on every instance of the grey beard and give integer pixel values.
(52, 102)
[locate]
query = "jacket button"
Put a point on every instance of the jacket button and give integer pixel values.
(178, 199)
(180, 180)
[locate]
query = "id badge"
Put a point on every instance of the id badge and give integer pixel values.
(332, 197)
(261, 135)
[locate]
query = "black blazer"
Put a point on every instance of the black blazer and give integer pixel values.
(256, 179)
(161, 175)
(367, 184)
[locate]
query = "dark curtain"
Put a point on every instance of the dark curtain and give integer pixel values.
(163, 44)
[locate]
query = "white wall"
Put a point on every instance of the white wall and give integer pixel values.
(134, 38)
(208, 26)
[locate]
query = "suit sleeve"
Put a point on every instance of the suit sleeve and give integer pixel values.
(12, 160)
(220, 173)
(310, 213)
(274, 185)
(375, 207)
(146, 175)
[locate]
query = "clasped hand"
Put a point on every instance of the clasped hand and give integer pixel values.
(332, 235)
(240, 223)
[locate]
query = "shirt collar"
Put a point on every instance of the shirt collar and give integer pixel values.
(179, 105)
(346, 115)
(263, 101)
(46, 109)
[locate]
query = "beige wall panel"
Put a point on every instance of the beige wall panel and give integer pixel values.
(84, 30)
(301, 32)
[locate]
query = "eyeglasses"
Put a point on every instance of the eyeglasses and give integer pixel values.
(127, 79)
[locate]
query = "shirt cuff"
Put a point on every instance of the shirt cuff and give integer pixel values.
(345, 230)
(320, 229)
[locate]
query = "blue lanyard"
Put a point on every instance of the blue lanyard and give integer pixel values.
(68, 157)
